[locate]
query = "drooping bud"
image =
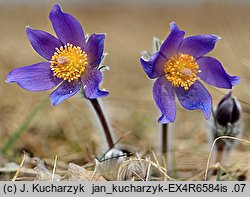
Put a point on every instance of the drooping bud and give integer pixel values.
(227, 117)
(228, 110)
(226, 121)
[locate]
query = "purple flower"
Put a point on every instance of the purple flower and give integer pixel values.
(228, 111)
(227, 120)
(72, 62)
(178, 66)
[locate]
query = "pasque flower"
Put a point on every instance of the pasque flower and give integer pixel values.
(178, 65)
(72, 61)
(228, 111)
(227, 121)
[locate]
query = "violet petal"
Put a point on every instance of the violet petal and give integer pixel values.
(90, 81)
(152, 67)
(64, 91)
(213, 73)
(198, 46)
(170, 46)
(94, 49)
(36, 77)
(164, 97)
(44, 43)
(67, 28)
(196, 97)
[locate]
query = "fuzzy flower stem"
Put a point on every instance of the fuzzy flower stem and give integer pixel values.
(219, 156)
(220, 146)
(103, 121)
(165, 143)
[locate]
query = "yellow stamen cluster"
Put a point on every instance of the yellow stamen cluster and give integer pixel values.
(68, 62)
(181, 70)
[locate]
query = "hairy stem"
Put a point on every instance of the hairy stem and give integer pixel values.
(219, 156)
(103, 121)
(165, 144)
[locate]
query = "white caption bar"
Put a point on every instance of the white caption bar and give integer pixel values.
(119, 188)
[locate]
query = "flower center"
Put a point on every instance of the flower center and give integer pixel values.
(181, 70)
(68, 62)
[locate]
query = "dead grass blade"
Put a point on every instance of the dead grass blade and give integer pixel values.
(19, 169)
(211, 150)
(54, 169)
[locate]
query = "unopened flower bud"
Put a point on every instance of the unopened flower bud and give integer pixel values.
(227, 121)
(228, 110)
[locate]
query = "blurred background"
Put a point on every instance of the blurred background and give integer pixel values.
(71, 130)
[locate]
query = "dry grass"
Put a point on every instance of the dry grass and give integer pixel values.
(71, 131)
